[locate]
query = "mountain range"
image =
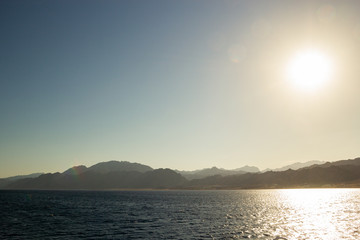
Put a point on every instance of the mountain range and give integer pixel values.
(126, 175)
(6, 181)
(295, 166)
(206, 172)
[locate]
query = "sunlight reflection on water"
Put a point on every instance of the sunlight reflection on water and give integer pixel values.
(321, 213)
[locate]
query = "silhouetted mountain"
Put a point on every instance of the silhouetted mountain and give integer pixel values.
(3, 183)
(295, 166)
(207, 172)
(333, 176)
(354, 162)
(111, 166)
(111, 174)
(161, 178)
(250, 169)
(157, 179)
(76, 170)
(121, 175)
(6, 181)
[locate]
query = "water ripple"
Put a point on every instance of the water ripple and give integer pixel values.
(245, 214)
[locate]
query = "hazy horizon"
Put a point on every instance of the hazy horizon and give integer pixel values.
(178, 84)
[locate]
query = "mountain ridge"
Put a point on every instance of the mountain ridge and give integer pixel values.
(8, 180)
(295, 166)
(206, 172)
(126, 175)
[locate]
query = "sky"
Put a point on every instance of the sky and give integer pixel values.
(174, 84)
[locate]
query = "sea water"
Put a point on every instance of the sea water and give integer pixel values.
(257, 214)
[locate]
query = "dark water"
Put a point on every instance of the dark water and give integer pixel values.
(259, 214)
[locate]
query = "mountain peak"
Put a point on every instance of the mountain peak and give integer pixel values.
(247, 168)
(113, 165)
(76, 169)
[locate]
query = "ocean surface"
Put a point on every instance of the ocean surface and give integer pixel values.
(257, 214)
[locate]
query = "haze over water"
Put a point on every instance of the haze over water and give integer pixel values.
(259, 214)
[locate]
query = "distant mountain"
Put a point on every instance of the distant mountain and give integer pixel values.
(316, 177)
(156, 179)
(250, 169)
(76, 170)
(98, 176)
(197, 174)
(161, 178)
(14, 178)
(295, 166)
(6, 181)
(110, 166)
(353, 162)
(207, 172)
(125, 175)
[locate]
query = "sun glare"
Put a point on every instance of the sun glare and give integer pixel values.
(309, 70)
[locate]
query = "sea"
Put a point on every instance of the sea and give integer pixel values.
(218, 214)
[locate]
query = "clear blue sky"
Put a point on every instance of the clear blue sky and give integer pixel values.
(178, 84)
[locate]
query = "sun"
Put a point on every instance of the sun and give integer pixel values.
(309, 70)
